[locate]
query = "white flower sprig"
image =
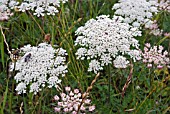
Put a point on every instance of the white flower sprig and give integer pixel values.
(40, 66)
(105, 41)
(41, 7)
(136, 12)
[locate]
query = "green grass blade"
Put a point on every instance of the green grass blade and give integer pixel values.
(5, 98)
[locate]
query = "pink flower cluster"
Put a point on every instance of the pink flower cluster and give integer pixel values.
(155, 56)
(167, 34)
(154, 29)
(5, 15)
(70, 101)
(164, 5)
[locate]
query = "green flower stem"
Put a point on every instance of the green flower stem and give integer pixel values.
(109, 79)
(4, 98)
(163, 39)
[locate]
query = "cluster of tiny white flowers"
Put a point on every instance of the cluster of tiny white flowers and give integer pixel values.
(40, 66)
(41, 7)
(8, 4)
(5, 8)
(70, 101)
(136, 12)
(155, 56)
(104, 40)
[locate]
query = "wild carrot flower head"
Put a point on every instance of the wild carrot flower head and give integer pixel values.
(155, 56)
(41, 7)
(40, 66)
(136, 12)
(69, 102)
(105, 41)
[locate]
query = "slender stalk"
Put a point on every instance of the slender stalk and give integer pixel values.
(42, 31)
(53, 31)
(4, 98)
(87, 92)
(109, 79)
(163, 39)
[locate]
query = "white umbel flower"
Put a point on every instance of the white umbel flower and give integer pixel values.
(40, 66)
(103, 39)
(41, 7)
(135, 11)
(120, 62)
(21, 88)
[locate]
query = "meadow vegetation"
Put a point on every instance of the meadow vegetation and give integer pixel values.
(129, 73)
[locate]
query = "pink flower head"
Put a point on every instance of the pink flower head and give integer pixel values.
(79, 95)
(75, 107)
(60, 103)
(67, 89)
(56, 98)
(149, 65)
(56, 109)
(66, 110)
(71, 93)
(82, 108)
(148, 45)
(74, 112)
(76, 91)
(91, 108)
(167, 34)
(87, 101)
(62, 94)
(70, 102)
(159, 66)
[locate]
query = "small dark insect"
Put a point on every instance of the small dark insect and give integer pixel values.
(27, 57)
(15, 54)
(117, 19)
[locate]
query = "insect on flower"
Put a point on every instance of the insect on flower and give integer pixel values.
(27, 57)
(15, 54)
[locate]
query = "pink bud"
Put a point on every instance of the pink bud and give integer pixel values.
(56, 109)
(82, 108)
(148, 45)
(159, 66)
(74, 112)
(65, 109)
(60, 103)
(91, 108)
(62, 94)
(67, 88)
(76, 91)
(87, 101)
(79, 95)
(71, 93)
(149, 65)
(56, 98)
